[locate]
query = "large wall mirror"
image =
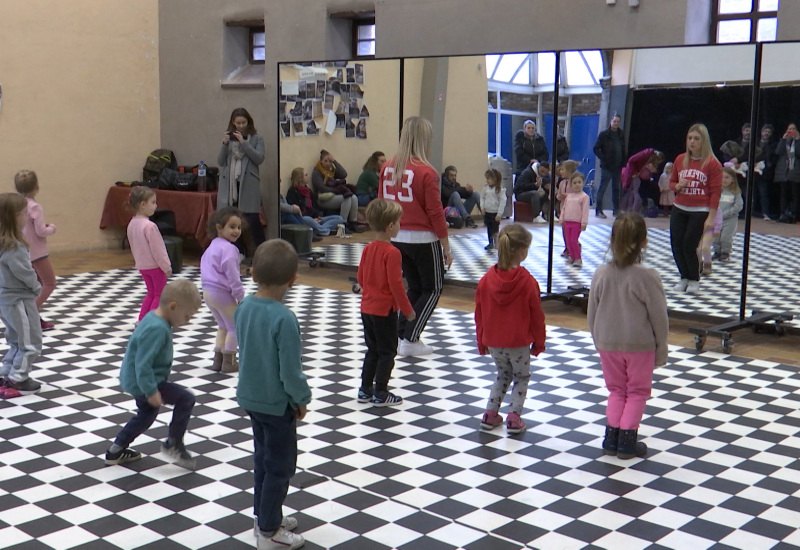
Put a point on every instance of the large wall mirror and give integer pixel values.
(478, 103)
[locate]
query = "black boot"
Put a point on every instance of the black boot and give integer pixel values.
(469, 222)
(628, 446)
(354, 227)
(610, 441)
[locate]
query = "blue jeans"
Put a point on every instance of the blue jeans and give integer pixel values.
(364, 200)
(324, 227)
(615, 176)
(464, 206)
(179, 397)
(275, 461)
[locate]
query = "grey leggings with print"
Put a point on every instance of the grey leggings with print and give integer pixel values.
(512, 364)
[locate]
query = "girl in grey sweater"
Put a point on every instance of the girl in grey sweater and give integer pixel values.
(627, 316)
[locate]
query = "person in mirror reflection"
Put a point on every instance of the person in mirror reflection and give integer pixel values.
(666, 196)
(637, 175)
(730, 204)
(529, 147)
(509, 292)
(333, 192)
(627, 316)
(240, 155)
(575, 217)
(787, 174)
(610, 150)
(533, 186)
(767, 195)
(696, 181)
(738, 158)
(367, 184)
(303, 207)
(493, 200)
(564, 173)
(411, 181)
(462, 197)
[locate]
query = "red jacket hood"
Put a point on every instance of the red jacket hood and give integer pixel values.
(504, 286)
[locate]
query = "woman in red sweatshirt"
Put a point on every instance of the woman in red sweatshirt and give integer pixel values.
(409, 180)
(510, 325)
(697, 182)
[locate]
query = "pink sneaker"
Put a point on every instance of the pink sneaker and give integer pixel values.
(491, 420)
(514, 424)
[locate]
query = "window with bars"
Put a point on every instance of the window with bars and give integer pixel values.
(745, 21)
(257, 44)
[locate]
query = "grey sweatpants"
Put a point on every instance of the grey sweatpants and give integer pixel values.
(512, 364)
(724, 242)
(24, 338)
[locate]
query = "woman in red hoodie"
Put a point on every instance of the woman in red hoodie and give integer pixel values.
(508, 291)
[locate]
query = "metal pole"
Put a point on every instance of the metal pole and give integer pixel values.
(553, 149)
(751, 153)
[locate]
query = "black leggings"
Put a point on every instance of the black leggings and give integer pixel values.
(492, 225)
(423, 268)
(685, 232)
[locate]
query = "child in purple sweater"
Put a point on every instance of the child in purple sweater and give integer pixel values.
(222, 283)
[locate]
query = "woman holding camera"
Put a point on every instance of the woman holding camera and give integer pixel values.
(241, 153)
(787, 174)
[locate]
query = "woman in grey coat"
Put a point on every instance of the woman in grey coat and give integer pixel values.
(241, 153)
(787, 174)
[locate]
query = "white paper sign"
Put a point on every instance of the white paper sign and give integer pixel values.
(330, 125)
(290, 87)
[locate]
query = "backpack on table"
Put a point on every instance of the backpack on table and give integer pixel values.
(156, 162)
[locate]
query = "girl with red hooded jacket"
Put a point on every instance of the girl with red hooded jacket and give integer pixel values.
(509, 291)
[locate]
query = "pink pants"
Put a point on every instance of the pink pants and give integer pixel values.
(155, 280)
(572, 232)
(629, 379)
(47, 278)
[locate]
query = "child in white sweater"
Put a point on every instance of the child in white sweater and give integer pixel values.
(493, 202)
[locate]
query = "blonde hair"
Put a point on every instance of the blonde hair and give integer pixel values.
(734, 187)
(569, 167)
(181, 291)
(628, 237)
(496, 177)
(513, 238)
(297, 175)
(11, 204)
(577, 175)
(274, 263)
(415, 143)
(26, 182)
(705, 145)
(139, 195)
(380, 213)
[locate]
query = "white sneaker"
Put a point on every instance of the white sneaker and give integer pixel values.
(288, 522)
(540, 219)
(577, 263)
(681, 286)
(413, 348)
(693, 287)
(280, 540)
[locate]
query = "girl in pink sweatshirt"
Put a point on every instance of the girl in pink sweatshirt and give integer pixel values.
(36, 232)
(148, 248)
(222, 283)
(575, 217)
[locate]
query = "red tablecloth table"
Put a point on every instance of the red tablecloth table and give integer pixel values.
(192, 210)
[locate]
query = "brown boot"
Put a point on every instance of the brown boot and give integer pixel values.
(217, 364)
(229, 362)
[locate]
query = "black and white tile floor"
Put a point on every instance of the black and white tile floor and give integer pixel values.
(770, 284)
(722, 472)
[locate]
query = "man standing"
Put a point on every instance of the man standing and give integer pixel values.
(610, 149)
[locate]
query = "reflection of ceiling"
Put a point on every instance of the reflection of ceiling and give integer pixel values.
(578, 69)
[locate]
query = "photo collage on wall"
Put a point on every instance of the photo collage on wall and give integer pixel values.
(326, 97)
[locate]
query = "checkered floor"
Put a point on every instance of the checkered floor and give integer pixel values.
(769, 288)
(722, 471)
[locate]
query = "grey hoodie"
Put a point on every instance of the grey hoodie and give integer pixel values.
(17, 278)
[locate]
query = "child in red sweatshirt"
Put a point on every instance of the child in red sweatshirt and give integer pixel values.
(509, 292)
(380, 276)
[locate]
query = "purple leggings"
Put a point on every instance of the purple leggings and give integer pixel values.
(155, 280)
(629, 379)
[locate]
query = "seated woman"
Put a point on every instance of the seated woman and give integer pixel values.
(367, 184)
(333, 193)
(300, 197)
(637, 185)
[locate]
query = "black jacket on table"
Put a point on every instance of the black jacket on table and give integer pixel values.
(527, 149)
(449, 187)
(294, 197)
(608, 144)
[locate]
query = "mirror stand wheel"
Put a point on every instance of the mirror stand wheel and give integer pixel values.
(699, 341)
(727, 345)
